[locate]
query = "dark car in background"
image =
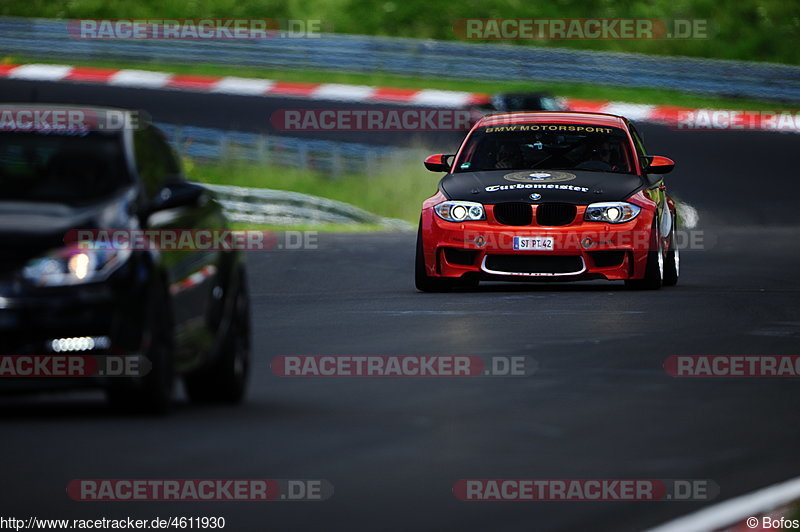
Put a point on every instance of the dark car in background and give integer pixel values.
(507, 102)
(184, 311)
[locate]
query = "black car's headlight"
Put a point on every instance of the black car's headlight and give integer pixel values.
(460, 211)
(615, 212)
(73, 265)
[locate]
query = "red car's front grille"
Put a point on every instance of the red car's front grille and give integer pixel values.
(554, 214)
(513, 213)
(534, 264)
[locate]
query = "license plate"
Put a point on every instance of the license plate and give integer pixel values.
(524, 243)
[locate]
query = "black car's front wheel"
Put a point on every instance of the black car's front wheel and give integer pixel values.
(225, 379)
(150, 393)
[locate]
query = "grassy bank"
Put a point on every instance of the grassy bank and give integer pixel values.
(395, 193)
(758, 30)
(320, 228)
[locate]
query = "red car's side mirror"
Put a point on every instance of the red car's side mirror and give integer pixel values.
(438, 163)
(659, 165)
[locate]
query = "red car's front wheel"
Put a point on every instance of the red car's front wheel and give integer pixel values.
(658, 266)
(423, 281)
(672, 262)
(426, 283)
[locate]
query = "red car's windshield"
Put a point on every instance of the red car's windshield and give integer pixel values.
(547, 146)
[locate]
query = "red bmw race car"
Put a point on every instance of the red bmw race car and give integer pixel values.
(556, 196)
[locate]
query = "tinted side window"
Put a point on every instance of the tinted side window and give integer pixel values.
(146, 162)
(155, 162)
(637, 140)
(166, 155)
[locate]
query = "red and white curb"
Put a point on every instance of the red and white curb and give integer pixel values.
(690, 119)
(679, 117)
(146, 79)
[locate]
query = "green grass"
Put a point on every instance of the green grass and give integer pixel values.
(320, 228)
(567, 90)
(395, 193)
(759, 30)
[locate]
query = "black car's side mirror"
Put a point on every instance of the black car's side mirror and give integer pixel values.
(439, 162)
(178, 194)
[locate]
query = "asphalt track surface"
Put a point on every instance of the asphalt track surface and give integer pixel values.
(599, 406)
(239, 113)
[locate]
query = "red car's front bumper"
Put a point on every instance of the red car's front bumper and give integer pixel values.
(581, 249)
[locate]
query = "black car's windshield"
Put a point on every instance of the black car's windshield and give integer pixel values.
(547, 146)
(58, 168)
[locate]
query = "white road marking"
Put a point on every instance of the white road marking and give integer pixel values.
(730, 512)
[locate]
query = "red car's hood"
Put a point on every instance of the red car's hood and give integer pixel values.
(578, 187)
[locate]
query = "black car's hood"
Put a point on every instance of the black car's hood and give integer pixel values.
(31, 229)
(578, 187)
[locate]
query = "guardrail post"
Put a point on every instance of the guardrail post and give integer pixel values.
(369, 162)
(224, 147)
(261, 150)
(336, 161)
(177, 136)
(302, 154)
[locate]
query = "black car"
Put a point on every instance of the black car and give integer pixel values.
(184, 311)
(507, 102)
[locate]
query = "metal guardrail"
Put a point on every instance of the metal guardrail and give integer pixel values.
(323, 156)
(279, 207)
(47, 38)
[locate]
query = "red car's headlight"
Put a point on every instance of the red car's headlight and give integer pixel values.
(460, 211)
(615, 212)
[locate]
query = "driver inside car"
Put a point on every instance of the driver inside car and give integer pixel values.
(509, 156)
(601, 156)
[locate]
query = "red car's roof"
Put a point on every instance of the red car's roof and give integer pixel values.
(563, 117)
